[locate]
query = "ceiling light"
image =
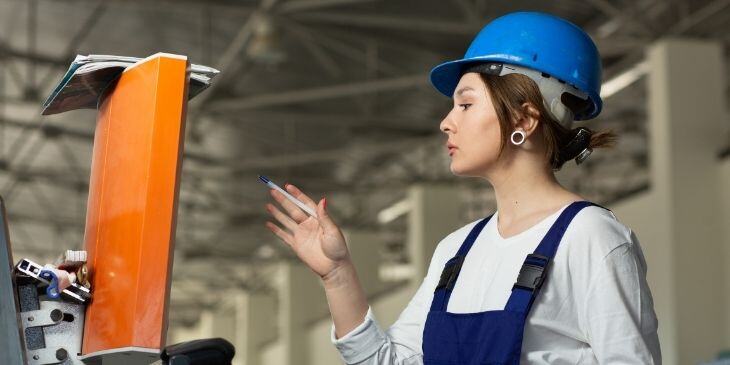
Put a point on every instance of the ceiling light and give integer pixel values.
(624, 79)
(394, 211)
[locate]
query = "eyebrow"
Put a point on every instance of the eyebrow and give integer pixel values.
(463, 90)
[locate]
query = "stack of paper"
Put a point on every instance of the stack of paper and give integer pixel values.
(89, 76)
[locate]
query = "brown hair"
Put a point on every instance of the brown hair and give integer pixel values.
(510, 92)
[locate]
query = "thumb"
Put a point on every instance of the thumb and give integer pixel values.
(324, 217)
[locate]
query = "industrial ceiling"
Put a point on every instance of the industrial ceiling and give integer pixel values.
(331, 95)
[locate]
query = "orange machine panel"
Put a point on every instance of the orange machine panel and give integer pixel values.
(130, 219)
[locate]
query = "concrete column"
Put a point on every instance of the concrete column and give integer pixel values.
(364, 250)
(242, 318)
(435, 212)
(218, 322)
(226, 323)
(687, 127)
(180, 334)
(255, 313)
(301, 303)
(725, 196)
(203, 329)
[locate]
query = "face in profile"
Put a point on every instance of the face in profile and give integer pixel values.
(473, 129)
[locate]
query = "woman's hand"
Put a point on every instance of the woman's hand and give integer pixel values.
(318, 242)
(320, 245)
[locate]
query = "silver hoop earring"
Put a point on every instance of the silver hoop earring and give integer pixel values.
(522, 138)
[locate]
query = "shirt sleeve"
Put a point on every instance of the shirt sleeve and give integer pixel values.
(621, 326)
(368, 344)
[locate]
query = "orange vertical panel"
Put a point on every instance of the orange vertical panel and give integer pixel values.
(133, 191)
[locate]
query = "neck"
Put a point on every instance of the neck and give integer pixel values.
(525, 187)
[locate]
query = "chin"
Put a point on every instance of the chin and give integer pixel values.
(461, 171)
(468, 171)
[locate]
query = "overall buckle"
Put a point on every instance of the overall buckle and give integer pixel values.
(533, 272)
(450, 273)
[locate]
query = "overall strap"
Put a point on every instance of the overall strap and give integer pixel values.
(452, 268)
(534, 270)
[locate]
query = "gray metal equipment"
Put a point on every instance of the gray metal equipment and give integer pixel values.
(11, 347)
(41, 325)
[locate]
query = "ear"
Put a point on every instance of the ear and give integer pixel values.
(528, 120)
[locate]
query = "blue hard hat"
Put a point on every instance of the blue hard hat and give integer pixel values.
(538, 41)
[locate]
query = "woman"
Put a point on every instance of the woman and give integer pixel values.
(524, 79)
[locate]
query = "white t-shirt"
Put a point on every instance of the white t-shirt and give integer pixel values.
(595, 307)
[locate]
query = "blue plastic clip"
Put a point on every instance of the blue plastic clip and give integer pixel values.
(52, 289)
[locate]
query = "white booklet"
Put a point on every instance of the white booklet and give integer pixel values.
(89, 76)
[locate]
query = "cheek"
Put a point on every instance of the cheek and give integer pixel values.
(480, 144)
(484, 136)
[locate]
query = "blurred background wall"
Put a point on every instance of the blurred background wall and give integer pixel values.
(333, 95)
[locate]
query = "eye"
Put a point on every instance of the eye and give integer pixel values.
(464, 106)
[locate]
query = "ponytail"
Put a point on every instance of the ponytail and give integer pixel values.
(580, 145)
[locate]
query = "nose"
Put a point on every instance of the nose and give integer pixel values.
(447, 124)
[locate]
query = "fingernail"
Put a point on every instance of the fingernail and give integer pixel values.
(324, 203)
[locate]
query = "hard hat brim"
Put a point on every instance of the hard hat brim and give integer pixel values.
(445, 77)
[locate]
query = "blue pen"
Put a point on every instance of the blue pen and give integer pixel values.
(294, 200)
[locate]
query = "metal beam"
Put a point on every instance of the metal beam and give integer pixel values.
(470, 11)
(60, 178)
(48, 128)
(8, 52)
(390, 22)
(619, 45)
(320, 93)
(233, 8)
(73, 223)
(88, 137)
(349, 36)
(32, 33)
(328, 155)
(633, 58)
(230, 55)
(707, 11)
(225, 63)
(614, 12)
(327, 63)
(304, 5)
(333, 120)
(83, 31)
(345, 48)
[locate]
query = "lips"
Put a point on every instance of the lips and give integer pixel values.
(451, 148)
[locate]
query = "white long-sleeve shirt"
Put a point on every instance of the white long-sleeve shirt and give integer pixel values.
(594, 308)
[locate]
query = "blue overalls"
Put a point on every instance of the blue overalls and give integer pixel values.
(491, 337)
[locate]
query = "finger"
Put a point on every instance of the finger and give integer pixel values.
(284, 219)
(294, 211)
(293, 190)
(324, 218)
(285, 237)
